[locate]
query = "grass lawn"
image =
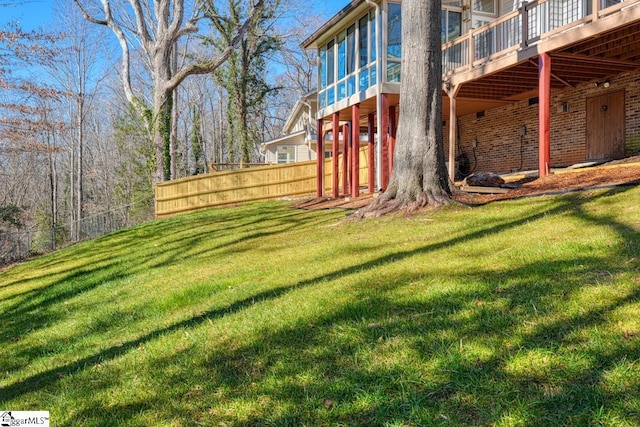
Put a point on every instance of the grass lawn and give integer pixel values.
(523, 312)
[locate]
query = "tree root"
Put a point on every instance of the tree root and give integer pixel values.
(387, 204)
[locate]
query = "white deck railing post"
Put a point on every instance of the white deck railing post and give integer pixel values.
(472, 49)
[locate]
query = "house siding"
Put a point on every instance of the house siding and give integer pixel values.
(501, 149)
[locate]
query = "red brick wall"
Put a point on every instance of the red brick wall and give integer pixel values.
(500, 148)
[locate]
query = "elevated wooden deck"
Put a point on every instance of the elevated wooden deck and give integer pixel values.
(497, 62)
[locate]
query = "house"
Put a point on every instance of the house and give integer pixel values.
(298, 140)
(526, 85)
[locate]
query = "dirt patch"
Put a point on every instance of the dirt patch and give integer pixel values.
(615, 173)
(620, 172)
(329, 203)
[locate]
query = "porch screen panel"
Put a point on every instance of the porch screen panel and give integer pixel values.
(347, 64)
(351, 49)
(351, 60)
(342, 55)
(330, 63)
(372, 30)
(363, 39)
(394, 42)
(341, 90)
(363, 48)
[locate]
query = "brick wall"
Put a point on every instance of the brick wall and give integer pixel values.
(501, 148)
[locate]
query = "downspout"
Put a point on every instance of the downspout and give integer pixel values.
(378, 93)
(308, 136)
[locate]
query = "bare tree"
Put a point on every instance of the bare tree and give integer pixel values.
(27, 128)
(419, 176)
(158, 27)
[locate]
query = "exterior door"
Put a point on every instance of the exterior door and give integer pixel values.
(605, 126)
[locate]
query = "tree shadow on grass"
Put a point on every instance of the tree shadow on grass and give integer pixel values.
(179, 233)
(105, 264)
(442, 358)
(113, 262)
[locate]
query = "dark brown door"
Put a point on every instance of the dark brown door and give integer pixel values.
(605, 126)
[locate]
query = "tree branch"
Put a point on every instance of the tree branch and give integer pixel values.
(88, 17)
(208, 67)
(117, 31)
(142, 30)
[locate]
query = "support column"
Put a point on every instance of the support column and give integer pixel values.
(320, 161)
(384, 133)
(371, 153)
(544, 114)
(345, 159)
(355, 150)
(392, 136)
(335, 147)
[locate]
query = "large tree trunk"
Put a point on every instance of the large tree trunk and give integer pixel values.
(162, 112)
(419, 176)
(160, 132)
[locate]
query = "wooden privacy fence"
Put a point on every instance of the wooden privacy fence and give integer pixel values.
(246, 185)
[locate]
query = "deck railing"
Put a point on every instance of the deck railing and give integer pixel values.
(532, 22)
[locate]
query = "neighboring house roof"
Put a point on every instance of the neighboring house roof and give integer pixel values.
(299, 108)
(284, 138)
(301, 105)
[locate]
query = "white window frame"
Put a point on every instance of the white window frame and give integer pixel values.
(288, 150)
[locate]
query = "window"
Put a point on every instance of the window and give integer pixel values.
(484, 11)
(330, 63)
(342, 55)
(364, 79)
(322, 100)
(394, 42)
(346, 64)
(451, 25)
(323, 67)
(372, 30)
(394, 32)
(351, 49)
(364, 41)
(393, 72)
(342, 90)
(484, 6)
(351, 85)
(285, 154)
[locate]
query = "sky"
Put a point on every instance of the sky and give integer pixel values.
(31, 14)
(34, 14)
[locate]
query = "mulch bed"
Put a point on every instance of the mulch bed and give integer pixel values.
(615, 173)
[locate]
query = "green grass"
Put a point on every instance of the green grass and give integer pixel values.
(517, 313)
